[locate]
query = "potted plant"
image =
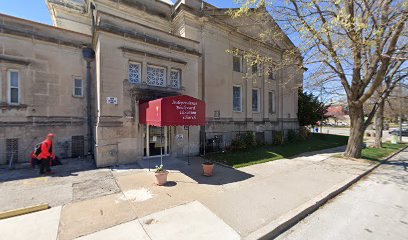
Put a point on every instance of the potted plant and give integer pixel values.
(161, 175)
(208, 168)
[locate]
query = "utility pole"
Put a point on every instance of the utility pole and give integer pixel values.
(321, 100)
(400, 113)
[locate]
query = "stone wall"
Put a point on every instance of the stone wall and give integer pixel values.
(47, 61)
(119, 136)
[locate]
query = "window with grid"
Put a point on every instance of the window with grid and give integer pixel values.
(271, 75)
(254, 68)
(236, 101)
(77, 146)
(12, 149)
(14, 87)
(156, 76)
(175, 76)
(237, 63)
(271, 96)
(255, 100)
(78, 87)
(135, 72)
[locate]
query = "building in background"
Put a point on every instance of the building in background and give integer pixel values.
(142, 50)
(337, 114)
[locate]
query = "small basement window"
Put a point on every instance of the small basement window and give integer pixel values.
(12, 150)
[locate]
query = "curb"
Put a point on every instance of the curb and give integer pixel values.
(22, 211)
(285, 222)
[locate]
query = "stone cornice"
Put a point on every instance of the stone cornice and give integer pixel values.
(152, 55)
(13, 60)
(145, 38)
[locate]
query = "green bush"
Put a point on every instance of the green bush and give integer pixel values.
(249, 139)
(304, 133)
(237, 144)
(292, 136)
(259, 142)
(244, 141)
(278, 138)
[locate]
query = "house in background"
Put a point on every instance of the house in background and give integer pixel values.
(85, 78)
(337, 114)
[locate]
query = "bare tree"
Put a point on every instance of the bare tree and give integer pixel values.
(391, 81)
(355, 44)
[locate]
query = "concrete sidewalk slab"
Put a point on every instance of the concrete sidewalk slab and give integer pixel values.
(25, 194)
(278, 190)
(127, 231)
(41, 225)
(189, 221)
(85, 217)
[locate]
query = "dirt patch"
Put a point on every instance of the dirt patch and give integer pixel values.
(100, 185)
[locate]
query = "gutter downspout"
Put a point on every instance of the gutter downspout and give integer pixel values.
(89, 56)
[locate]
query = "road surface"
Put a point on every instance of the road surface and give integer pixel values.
(345, 131)
(374, 208)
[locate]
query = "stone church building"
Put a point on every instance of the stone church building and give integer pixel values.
(85, 77)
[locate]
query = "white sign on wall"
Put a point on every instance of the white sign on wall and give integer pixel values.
(112, 100)
(179, 137)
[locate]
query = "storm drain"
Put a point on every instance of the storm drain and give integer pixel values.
(93, 188)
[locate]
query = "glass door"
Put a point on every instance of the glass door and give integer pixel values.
(155, 141)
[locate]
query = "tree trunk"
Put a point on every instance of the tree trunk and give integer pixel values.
(379, 125)
(357, 128)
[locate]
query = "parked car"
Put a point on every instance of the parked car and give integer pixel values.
(397, 132)
(385, 126)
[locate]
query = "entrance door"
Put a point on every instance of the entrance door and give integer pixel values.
(156, 141)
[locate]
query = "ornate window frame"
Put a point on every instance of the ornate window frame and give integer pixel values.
(158, 72)
(175, 82)
(133, 76)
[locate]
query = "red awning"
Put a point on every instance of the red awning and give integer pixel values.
(173, 111)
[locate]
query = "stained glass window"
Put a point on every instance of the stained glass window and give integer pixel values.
(236, 101)
(135, 72)
(156, 76)
(175, 78)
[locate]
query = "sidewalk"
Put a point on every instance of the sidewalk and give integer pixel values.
(235, 203)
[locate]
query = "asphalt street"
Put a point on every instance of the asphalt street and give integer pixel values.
(345, 131)
(374, 208)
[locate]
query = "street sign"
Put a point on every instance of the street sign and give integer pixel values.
(112, 100)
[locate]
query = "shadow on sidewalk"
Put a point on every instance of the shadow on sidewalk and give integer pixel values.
(222, 175)
(69, 167)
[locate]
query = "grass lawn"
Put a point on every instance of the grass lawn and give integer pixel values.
(269, 153)
(377, 154)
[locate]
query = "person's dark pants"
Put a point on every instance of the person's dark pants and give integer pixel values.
(45, 166)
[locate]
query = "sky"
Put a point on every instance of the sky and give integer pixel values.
(36, 10)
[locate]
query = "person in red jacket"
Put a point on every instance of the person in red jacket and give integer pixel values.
(46, 154)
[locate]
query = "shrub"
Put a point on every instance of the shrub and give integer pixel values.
(259, 142)
(304, 133)
(260, 138)
(249, 139)
(292, 136)
(278, 138)
(237, 144)
(243, 141)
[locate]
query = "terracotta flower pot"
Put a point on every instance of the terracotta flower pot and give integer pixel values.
(208, 169)
(161, 178)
